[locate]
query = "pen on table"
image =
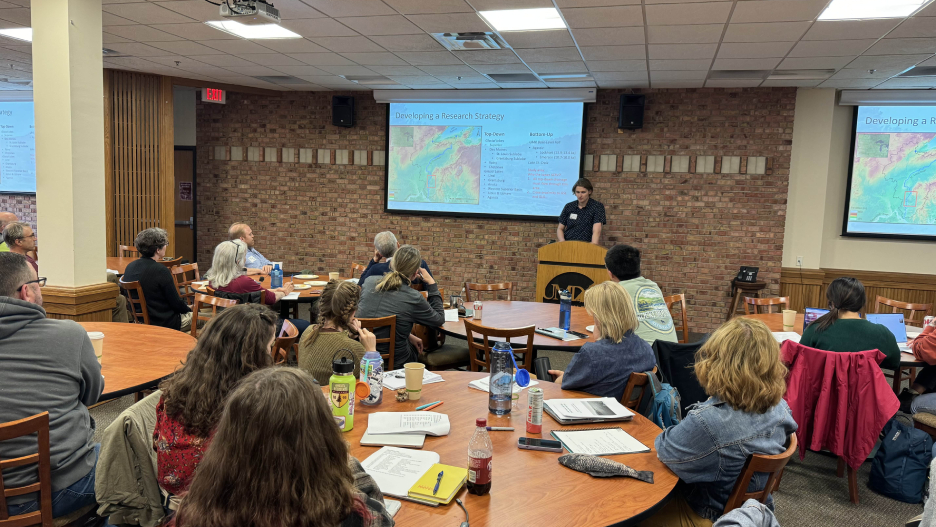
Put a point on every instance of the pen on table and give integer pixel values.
(438, 481)
(500, 429)
(426, 409)
(427, 405)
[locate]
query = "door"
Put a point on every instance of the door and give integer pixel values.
(185, 202)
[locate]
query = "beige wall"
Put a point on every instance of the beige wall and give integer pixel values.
(818, 177)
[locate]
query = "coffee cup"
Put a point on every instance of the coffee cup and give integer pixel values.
(332, 276)
(789, 318)
(414, 379)
(927, 320)
(97, 341)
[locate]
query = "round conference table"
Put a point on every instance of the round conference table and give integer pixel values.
(306, 296)
(136, 357)
(119, 263)
(528, 487)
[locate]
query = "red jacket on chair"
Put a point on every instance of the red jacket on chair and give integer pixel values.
(841, 401)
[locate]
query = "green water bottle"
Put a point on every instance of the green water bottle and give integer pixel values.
(342, 387)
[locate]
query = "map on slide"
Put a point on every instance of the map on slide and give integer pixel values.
(435, 164)
(894, 179)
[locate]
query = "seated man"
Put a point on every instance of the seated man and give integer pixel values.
(256, 262)
(61, 376)
(20, 239)
(166, 308)
(656, 323)
(5, 219)
(385, 245)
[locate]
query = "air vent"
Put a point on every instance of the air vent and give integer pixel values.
(738, 74)
(920, 71)
(281, 79)
(369, 79)
(513, 77)
(567, 77)
(111, 53)
(790, 75)
(469, 41)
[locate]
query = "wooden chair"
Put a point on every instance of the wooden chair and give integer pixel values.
(680, 299)
(200, 302)
(374, 323)
(283, 345)
(127, 251)
(171, 262)
(922, 310)
(503, 286)
(636, 380)
(483, 349)
(357, 267)
(183, 281)
(137, 304)
(773, 465)
(765, 303)
(37, 424)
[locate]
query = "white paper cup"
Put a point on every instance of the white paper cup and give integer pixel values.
(97, 340)
(333, 276)
(789, 318)
(414, 379)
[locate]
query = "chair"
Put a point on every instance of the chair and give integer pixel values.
(680, 299)
(286, 343)
(504, 286)
(772, 465)
(171, 262)
(766, 303)
(476, 350)
(356, 267)
(200, 301)
(926, 422)
(676, 362)
(127, 251)
(37, 424)
(915, 309)
(180, 275)
(636, 380)
(374, 323)
(138, 304)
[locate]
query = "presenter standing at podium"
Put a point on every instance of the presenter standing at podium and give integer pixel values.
(581, 220)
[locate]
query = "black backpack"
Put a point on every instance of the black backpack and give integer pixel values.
(899, 469)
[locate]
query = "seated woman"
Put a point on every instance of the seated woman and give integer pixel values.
(228, 275)
(739, 367)
(163, 303)
(924, 349)
(278, 459)
(842, 329)
(603, 367)
(336, 330)
(234, 343)
(391, 294)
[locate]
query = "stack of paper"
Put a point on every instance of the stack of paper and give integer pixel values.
(292, 296)
(786, 335)
(431, 423)
(396, 470)
(449, 479)
(396, 379)
(484, 384)
(599, 441)
(597, 410)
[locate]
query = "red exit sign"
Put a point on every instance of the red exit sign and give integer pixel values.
(214, 95)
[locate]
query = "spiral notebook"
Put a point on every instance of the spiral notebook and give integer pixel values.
(610, 441)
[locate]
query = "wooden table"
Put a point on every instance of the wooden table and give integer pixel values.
(306, 296)
(528, 487)
(136, 357)
(119, 263)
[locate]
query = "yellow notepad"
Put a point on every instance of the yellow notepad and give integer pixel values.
(452, 480)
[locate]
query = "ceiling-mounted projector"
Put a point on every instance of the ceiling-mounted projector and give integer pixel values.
(250, 11)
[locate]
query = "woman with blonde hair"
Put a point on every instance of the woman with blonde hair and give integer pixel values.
(739, 368)
(602, 368)
(391, 294)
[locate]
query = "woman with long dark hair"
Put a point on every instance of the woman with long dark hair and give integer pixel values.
(278, 460)
(843, 329)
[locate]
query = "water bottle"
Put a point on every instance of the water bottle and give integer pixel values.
(501, 380)
(341, 387)
(276, 277)
(480, 456)
(372, 374)
(565, 309)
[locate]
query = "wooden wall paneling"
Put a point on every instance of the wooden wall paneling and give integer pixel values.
(807, 288)
(167, 160)
(109, 200)
(803, 287)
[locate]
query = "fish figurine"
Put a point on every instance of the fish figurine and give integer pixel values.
(600, 467)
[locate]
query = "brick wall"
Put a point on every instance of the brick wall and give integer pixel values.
(695, 229)
(23, 205)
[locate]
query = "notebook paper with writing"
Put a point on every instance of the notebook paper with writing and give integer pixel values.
(599, 441)
(396, 470)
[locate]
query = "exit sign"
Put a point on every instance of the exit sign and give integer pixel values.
(214, 95)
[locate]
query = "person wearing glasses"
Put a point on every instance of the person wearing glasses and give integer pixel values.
(166, 308)
(20, 239)
(48, 366)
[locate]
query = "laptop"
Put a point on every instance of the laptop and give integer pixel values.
(895, 323)
(812, 314)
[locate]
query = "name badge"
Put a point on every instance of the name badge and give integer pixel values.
(573, 216)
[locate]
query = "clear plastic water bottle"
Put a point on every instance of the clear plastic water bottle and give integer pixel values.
(372, 374)
(501, 380)
(565, 309)
(276, 277)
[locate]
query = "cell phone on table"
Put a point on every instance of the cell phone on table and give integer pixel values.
(535, 443)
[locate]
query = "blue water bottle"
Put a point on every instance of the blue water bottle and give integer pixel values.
(500, 385)
(276, 277)
(565, 309)
(372, 374)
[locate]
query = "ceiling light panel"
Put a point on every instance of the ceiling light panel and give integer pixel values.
(20, 33)
(864, 9)
(524, 19)
(260, 31)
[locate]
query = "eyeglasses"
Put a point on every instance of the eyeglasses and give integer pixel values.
(41, 281)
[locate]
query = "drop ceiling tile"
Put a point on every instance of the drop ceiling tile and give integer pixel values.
(879, 75)
(680, 65)
(292, 45)
(464, 79)
(792, 83)
(620, 76)
(442, 86)
(623, 84)
(348, 44)
(858, 84)
(558, 67)
(584, 84)
(319, 27)
(108, 19)
(549, 55)
(194, 31)
(325, 80)
(321, 59)
(678, 84)
(595, 3)
(851, 29)
(448, 70)
(777, 10)
(903, 46)
(688, 34)
(146, 13)
(732, 83)
(609, 36)
(930, 62)
(381, 25)
(416, 79)
(131, 62)
(766, 32)
(688, 14)
(553, 38)
(348, 70)
(512, 85)
(754, 50)
(908, 82)
(682, 51)
(384, 58)
(337, 8)
(195, 9)
(929, 10)
(617, 65)
(613, 52)
(106, 38)
(297, 9)
(398, 70)
(746, 64)
(831, 48)
(308, 87)
(490, 86)
(141, 33)
(912, 27)
(449, 23)
(493, 56)
(221, 60)
(887, 62)
(486, 5)
(252, 70)
(272, 59)
(501, 68)
(408, 43)
(807, 63)
(620, 16)
(187, 47)
(415, 7)
(139, 50)
(429, 58)
(677, 75)
(17, 16)
(299, 70)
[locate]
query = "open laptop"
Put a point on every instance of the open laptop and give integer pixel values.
(812, 314)
(895, 323)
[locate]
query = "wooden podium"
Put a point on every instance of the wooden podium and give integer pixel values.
(575, 266)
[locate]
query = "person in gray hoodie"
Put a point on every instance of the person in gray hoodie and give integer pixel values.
(46, 365)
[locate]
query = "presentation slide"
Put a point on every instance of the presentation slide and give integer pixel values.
(17, 147)
(893, 173)
(496, 159)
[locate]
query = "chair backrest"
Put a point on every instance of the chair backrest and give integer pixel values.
(127, 250)
(503, 286)
(480, 352)
(37, 424)
(172, 262)
(671, 302)
(765, 303)
(357, 267)
(374, 323)
(200, 302)
(138, 302)
(772, 465)
(636, 380)
(282, 345)
(183, 276)
(915, 309)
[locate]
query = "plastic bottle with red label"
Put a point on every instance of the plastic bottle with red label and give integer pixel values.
(480, 455)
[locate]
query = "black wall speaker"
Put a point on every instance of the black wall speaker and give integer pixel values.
(632, 112)
(343, 111)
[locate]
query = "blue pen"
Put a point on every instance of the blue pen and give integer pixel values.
(438, 481)
(426, 405)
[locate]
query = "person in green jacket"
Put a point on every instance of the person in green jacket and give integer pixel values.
(843, 329)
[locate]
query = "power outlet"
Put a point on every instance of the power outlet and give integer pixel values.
(799, 261)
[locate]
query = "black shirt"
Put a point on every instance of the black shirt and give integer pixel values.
(580, 227)
(163, 302)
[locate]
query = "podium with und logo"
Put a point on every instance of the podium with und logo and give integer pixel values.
(571, 265)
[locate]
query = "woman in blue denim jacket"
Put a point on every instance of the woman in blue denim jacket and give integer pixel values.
(739, 367)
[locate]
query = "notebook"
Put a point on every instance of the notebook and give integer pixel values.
(583, 411)
(812, 314)
(895, 323)
(452, 480)
(397, 440)
(599, 441)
